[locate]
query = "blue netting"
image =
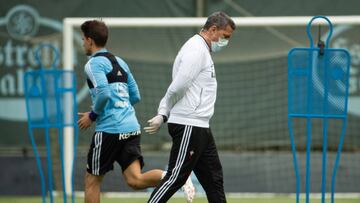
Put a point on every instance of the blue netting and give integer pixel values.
(46, 102)
(318, 83)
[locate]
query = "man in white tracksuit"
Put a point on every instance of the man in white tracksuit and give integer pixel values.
(188, 105)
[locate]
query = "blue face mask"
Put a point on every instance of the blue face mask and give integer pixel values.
(219, 45)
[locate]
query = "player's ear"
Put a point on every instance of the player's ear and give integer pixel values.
(92, 42)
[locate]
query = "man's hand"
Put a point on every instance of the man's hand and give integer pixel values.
(84, 122)
(154, 124)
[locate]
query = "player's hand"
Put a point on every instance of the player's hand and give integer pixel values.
(84, 122)
(154, 124)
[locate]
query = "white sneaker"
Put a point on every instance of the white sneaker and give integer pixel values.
(189, 190)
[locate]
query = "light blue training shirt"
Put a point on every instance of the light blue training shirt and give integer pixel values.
(112, 102)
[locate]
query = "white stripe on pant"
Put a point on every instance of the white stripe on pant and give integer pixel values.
(96, 153)
(179, 162)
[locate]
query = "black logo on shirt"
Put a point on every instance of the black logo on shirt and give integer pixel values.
(213, 75)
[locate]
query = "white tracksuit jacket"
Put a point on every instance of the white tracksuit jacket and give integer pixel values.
(191, 96)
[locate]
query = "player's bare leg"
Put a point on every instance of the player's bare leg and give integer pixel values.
(138, 180)
(92, 188)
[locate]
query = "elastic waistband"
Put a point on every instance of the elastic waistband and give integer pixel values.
(124, 136)
(137, 132)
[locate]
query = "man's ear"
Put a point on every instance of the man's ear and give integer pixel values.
(213, 28)
(91, 41)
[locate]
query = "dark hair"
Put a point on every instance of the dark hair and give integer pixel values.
(95, 30)
(220, 20)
